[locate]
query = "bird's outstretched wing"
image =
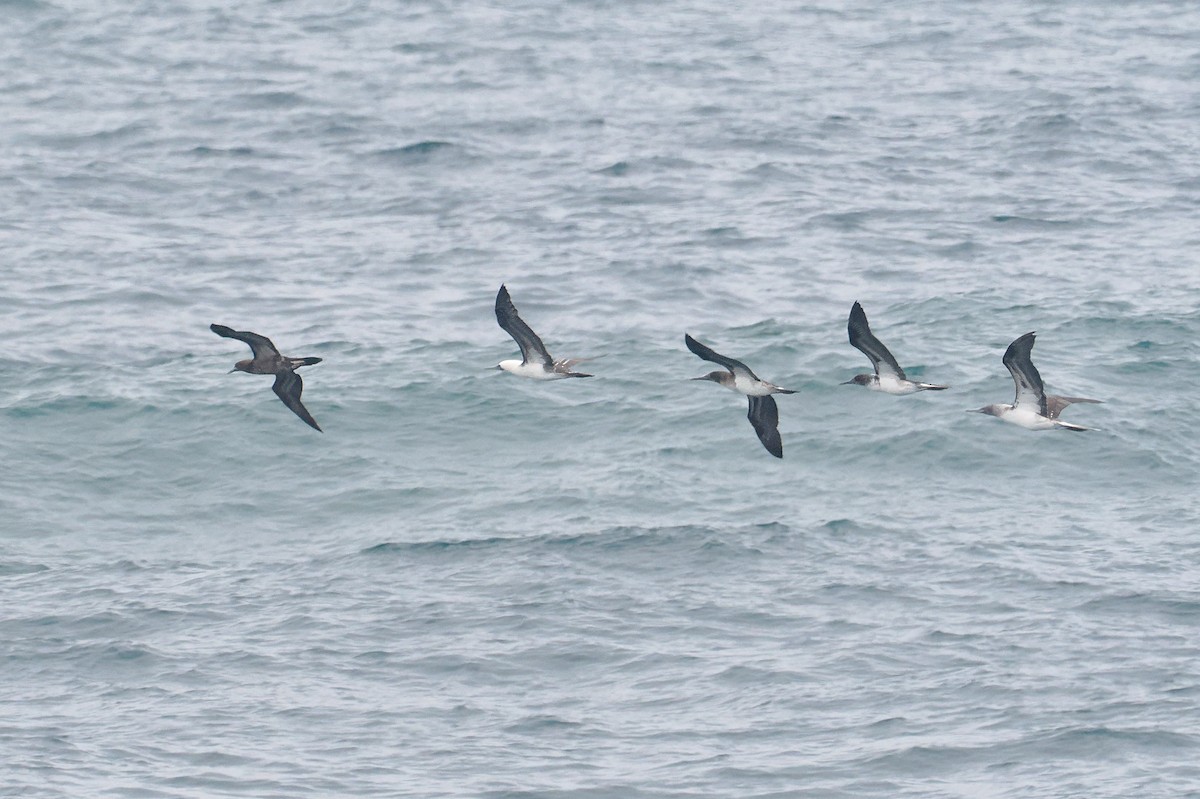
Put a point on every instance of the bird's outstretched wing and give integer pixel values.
(261, 346)
(532, 348)
(1030, 393)
(288, 387)
(863, 340)
(708, 355)
(1055, 403)
(764, 416)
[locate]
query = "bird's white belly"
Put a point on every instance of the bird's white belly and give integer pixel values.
(534, 371)
(890, 385)
(1029, 419)
(751, 388)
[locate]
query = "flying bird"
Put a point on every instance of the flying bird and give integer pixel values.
(535, 362)
(764, 413)
(1032, 407)
(889, 377)
(268, 361)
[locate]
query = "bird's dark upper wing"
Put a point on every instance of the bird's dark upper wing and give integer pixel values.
(1055, 403)
(1018, 358)
(708, 355)
(260, 345)
(288, 386)
(532, 348)
(764, 415)
(863, 340)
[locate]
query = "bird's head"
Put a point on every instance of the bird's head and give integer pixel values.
(716, 377)
(859, 380)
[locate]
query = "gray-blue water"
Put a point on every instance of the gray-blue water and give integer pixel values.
(473, 585)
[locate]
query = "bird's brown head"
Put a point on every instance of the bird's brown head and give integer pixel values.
(241, 366)
(859, 380)
(716, 377)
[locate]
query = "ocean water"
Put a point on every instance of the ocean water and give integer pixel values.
(477, 586)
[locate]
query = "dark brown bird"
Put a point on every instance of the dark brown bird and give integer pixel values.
(268, 361)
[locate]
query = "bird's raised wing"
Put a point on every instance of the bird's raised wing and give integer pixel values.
(764, 416)
(707, 354)
(863, 340)
(1030, 393)
(261, 346)
(288, 387)
(532, 348)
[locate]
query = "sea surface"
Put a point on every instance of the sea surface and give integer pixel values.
(473, 585)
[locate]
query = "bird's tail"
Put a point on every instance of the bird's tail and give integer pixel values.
(1069, 426)
(932, 387)
(298, 362)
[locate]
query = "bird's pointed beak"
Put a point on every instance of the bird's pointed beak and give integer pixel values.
(231, 371)
(847, 383)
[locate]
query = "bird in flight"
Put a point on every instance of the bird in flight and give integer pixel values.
(1032, 407)
(535, 362)
(763, 413)
(889, 377)
(268, 361)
